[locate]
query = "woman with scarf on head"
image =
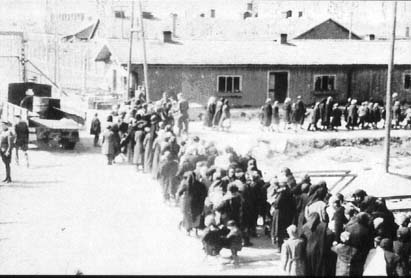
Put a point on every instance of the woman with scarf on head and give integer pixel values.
(360, 228)
(210, 112)
(291, 182)
(318, 247)
(282, 210)
(167, 170)
(252, 162)
(191, 194)
(316, 201)
(218, 112)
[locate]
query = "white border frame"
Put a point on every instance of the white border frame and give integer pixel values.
(229, 75)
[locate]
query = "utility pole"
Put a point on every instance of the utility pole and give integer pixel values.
(144, 52)
(130, 52)
(388, 97)
(351, 16)
(56, 50)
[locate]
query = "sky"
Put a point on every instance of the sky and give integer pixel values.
(364, 13)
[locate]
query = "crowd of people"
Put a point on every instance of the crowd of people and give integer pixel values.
(330, 115)
(224, 197)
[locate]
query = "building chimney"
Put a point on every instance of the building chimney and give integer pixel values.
(283, 38)
(300, 14)
(407, 32)
(167, 36)
(370, 37)
(174, 23)
(212, 13)
(249, 6)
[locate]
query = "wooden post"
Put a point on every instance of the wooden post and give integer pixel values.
(388, 96)
(130, 52)
(144, 53)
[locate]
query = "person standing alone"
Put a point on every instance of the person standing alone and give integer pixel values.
(183, 114)
(95, 129)
(21, 131)
(6, 146)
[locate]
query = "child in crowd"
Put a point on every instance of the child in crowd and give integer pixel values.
(293, 253)
(345, 254)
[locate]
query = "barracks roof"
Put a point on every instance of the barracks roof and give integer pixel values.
(295, 52)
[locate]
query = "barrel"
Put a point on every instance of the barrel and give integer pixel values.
(40, 105)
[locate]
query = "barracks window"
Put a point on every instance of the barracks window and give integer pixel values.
(407, 81)
(229, 84)
(324, 82)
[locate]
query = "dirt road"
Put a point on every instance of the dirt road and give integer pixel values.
(69, 211)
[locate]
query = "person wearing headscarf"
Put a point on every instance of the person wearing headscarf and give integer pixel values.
(191, 194)
(336, 117)
(316, 201)
(230, 207)
(276, 116)
(293, 253)
(282, 209)
(167, 171)
(300, 193)
(396, 114)
(218, 112)
(107, 147)
(252, 162)
(138, 154)
(361, 237)
(267, 114)
(299, 113)
(352, 115)
(402, 247)
(315, 117)
(291, 182)
(328, 108)
(287, 112)
(225, 120)
(210, 112)
(394, 265)
(318, 240)
(345, 254)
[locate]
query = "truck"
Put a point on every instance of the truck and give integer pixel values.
(34, 103)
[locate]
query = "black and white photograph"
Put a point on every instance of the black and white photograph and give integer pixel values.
(205, 137)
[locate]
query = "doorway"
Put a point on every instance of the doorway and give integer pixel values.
(278, 85)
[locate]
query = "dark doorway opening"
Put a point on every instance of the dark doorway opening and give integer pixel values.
(278, 85)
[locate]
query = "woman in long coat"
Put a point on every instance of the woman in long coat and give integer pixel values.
(218, 112)
(210, 112)
(148, 149)
(225, 116)
(108, 148)
(138, 155)
(191, 194)
(276, 115)
(267, 114)
(318, 246)
(287, 112)
(283, 210)
(167, 172)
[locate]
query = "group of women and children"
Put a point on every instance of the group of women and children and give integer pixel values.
(223, 195)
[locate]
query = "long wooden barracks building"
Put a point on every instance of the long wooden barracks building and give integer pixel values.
(318, 63)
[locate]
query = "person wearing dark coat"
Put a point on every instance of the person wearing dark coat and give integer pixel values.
(299, 112)
(376, 114)
(283, 211)
(167, 172)
(301, 200)
(191, 194)
(108, 148)
(328, 108)
(318, 247)
(345, 254)
(210, 112)
(323, 116)
(218, 112)
(394, 264)
(361, 237)
(336, 117)
(95, 129)
(231, 206)
(402, 247)
(267, 114)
